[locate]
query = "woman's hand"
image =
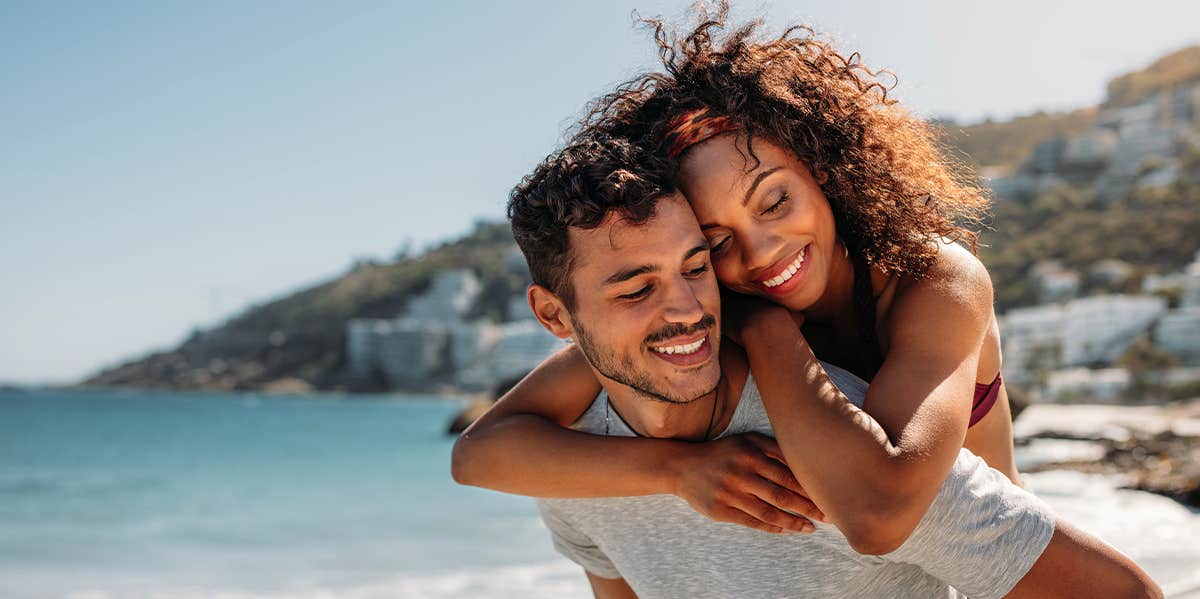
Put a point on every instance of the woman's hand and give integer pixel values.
(743, 314)
(742, 479)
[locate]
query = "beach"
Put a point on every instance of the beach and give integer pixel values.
(111, 494)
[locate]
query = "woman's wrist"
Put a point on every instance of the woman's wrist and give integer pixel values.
(677, 463)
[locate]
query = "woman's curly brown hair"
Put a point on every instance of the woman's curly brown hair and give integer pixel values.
(895, 194)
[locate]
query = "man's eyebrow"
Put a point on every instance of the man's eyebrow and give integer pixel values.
(629, 273)
(757, 180)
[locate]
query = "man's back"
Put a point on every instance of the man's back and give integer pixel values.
(981, 534)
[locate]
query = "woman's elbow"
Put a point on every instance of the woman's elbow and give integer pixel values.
(882, 526)
(872, 536)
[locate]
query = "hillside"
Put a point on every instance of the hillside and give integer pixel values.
(1155, 231)
(296, 342)
(1176, 68)
(1006, 143)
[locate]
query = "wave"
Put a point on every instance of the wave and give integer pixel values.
(558, 579)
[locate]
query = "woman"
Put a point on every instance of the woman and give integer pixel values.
(818, 194)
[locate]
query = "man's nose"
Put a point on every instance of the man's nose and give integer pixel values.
(682, 305)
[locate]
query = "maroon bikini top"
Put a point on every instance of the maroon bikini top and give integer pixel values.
(864, 300)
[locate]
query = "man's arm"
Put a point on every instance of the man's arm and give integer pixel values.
(610, 588)
(1076, 564)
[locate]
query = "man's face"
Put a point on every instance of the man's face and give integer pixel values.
(647, 309)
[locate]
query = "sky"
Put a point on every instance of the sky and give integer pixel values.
(164, 165)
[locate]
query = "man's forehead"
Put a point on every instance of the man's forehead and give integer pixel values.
(618, 240)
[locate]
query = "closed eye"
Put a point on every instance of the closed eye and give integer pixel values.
(777, 205)
(640, 293)
(721, 246)
(695, 272)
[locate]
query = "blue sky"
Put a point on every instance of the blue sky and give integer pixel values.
(165, 164)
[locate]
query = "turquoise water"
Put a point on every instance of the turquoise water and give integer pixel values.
(119, 494)
(130, 494)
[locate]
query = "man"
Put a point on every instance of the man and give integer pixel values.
(635, 289)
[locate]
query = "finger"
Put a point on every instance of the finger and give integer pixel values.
(785, 499)
(765, 512)
(767, 445)
(778, 473)
(739, 517)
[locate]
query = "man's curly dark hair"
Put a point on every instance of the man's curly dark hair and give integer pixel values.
(580, 186)
(894, 191)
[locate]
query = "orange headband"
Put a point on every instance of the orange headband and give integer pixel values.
(693, 127)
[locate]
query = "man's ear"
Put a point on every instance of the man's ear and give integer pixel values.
(821, 177)
(550, 310)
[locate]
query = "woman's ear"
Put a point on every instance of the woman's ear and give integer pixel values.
(550, 310)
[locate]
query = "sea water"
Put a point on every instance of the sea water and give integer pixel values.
(107, 494)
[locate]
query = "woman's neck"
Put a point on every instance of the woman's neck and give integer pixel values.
(835, 307)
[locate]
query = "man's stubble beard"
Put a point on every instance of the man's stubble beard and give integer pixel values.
(623, 370)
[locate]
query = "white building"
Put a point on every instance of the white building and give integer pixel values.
(1092, 148)
(429, 339)
(404, 352)
(1082, 332)
(509, 350)
(450, 295)
(1086, 385)
(1178, 332)
(1055, 283)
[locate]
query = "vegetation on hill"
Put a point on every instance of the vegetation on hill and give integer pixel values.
(297, 342)
(1176, 68)
(1155, 230)
(1007, 143)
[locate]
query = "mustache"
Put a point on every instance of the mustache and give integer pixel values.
(676, 329)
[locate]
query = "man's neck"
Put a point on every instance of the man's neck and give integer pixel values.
(704, 417)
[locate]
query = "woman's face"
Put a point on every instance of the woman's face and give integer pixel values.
(770, 227)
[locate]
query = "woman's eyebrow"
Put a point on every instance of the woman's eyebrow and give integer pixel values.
(757, 180)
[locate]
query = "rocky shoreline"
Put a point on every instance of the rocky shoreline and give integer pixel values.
(1152, 448)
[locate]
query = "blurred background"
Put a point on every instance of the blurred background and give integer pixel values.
(255, 264)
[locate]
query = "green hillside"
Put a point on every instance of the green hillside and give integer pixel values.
(297, 341)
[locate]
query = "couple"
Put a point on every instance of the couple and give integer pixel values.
(782, 170)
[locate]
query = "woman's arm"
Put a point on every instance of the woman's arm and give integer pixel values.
(521, 446)
(902, 446)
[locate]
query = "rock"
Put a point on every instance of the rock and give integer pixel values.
(470, 413)
(288, 385)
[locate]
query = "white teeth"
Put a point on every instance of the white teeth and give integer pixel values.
(690, 348)
(787, 274)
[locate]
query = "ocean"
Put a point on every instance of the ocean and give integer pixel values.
(107, 494)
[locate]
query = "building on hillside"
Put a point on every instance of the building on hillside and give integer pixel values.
(1090, 149)
(1178, 333)
(1087, 385)
(423, 343)
(508, 350)
(404, 353)
(1055, 283)
(1083, 332)
(1110, 272)
(1046, 156)
(1185, 284)
(450, 295)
